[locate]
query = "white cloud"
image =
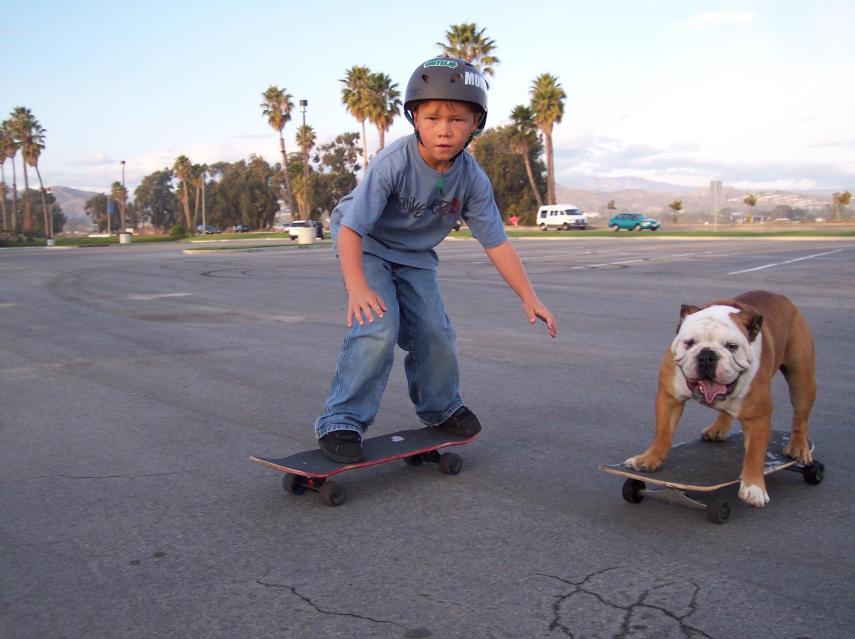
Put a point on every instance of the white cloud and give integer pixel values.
(715, 19)
(99, 159)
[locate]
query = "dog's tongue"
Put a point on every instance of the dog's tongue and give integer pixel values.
(710, 389)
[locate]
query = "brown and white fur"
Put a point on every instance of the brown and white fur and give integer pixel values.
(725, 356)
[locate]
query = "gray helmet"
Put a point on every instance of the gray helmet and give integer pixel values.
(444, 78)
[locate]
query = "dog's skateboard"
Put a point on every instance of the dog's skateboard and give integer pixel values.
(704, 468)
(310, 470)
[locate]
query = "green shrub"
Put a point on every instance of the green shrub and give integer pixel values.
(177, 231)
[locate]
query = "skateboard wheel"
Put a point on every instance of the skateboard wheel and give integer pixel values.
(718, 510)
(632, 490)
(814, 473)
(450, 463)
(332, 494)
(293, 484)
(414, 460)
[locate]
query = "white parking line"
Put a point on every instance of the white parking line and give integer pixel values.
(156, 296)
(643, 259)
(797, 259)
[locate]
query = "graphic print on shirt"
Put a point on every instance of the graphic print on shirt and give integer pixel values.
(410, 206)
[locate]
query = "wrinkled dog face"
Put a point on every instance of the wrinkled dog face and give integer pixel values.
(713, 348)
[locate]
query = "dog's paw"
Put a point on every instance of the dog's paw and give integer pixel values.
(643, 462)
(753, 495)
(799, 451)
(713, 435)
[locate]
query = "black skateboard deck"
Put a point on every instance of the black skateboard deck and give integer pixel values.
(705, 468)
(310, 470)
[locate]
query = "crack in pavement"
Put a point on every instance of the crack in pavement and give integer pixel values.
(323, 611)
(65, 476)
(630, 611)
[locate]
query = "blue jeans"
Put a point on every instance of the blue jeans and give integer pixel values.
(416, 321)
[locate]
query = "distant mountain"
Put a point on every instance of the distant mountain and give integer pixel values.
(695, 200)
(609, 184)
(73, 203)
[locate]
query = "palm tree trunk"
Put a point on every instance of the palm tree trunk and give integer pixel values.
(550, 170)
(3, 194)
(48, 222)
(364, 147)
(531, 181)
(381, 132)
(28, 213)
(292, 203)
(196, 201)
(185, 200)
(14, 197)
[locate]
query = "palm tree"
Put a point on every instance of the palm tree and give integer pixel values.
(385, 104)
(306, 138)
(183, 169)
(306, 135)
(523, 138)
(356, 96)
(118, 194)
(547, 104)
(10, 149)
(676, 206)
(197, 178)
(840, 200)
(21, 125)
(277, 106)
(7, 149)
(31, 152)
(466, 41)
(750, 201)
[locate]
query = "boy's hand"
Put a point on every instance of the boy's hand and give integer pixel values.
(535, 310)
(363, 303)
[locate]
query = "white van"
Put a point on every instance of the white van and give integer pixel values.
(561, 216)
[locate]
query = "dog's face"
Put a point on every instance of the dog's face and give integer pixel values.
(714, 347)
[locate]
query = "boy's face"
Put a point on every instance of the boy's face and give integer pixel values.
(444, 127)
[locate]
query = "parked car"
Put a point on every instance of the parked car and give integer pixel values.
(296, 225)
(561, 216)
(241, 228)
(632, 222)
(207, 229)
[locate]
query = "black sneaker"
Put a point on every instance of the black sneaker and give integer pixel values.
(342, 446)
(463, 422)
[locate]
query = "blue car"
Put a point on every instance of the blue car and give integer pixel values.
(632, 222)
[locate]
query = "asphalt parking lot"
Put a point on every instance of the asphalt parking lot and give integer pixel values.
(135, 382)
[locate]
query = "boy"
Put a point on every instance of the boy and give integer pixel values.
(384, 234)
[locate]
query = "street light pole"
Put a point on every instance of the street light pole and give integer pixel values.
(124, 197)
(715, 187)
(204, 175)
(303, 106)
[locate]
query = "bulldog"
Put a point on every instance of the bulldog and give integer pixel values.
(725, 356)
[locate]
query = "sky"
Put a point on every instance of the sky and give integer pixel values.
(756, 93)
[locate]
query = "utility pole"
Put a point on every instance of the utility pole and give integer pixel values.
(303, 106)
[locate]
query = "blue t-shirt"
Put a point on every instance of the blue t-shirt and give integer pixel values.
(403, 208)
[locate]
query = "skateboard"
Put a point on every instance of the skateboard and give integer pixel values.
(310, 470)
(704, 469)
